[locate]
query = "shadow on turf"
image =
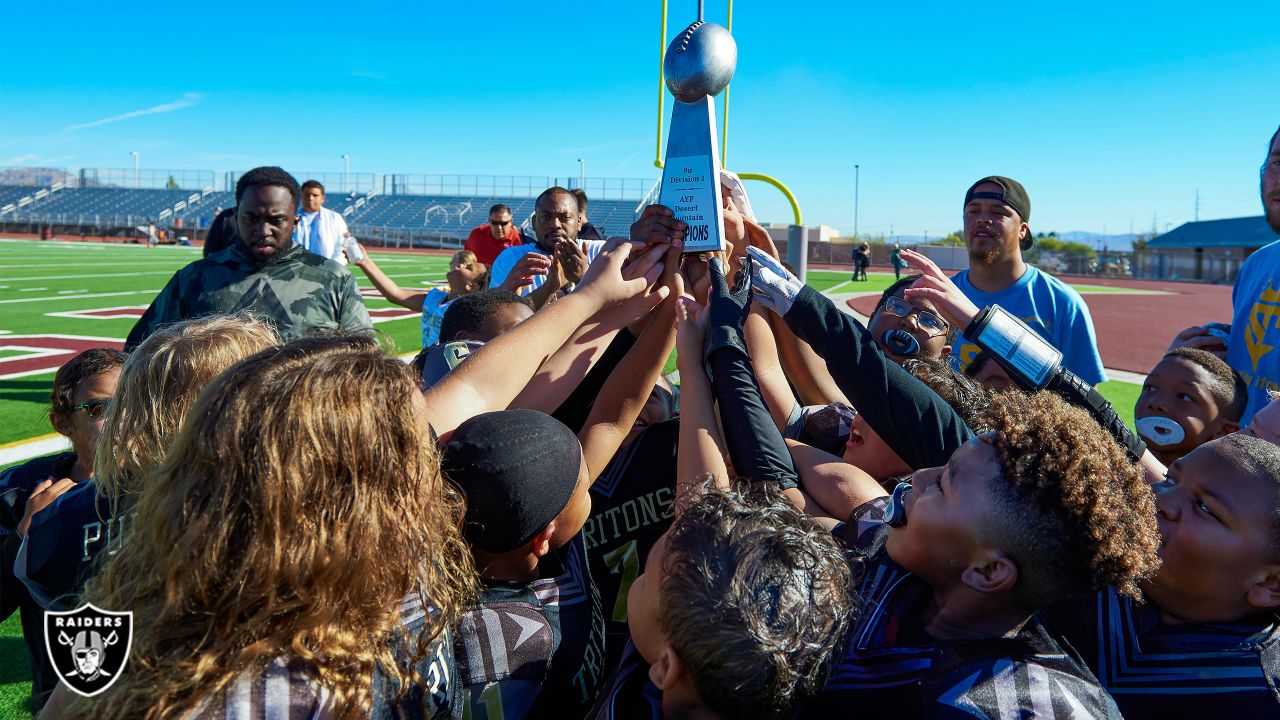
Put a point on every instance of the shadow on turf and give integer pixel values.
(14, 668)
(32, 391)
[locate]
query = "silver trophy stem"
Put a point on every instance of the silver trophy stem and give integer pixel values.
(700, 2)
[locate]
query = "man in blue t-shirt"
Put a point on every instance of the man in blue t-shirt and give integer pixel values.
(524, 269)
(1255, 301)
(996, 212)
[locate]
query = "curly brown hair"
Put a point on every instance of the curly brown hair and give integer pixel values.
(755, 599)
(1073, 510)
(160, 381)
(300, 502)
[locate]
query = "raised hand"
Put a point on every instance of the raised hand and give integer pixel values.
(525, 269)
(657, 224)
(772, 284)
(1199, 337)
(758, 237)
(691, 325)
(735, 229)
(612, 279)
(573, 258)
(934, 286)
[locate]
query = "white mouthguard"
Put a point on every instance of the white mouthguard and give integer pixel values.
(1161, 430)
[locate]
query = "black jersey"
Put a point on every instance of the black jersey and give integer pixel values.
(891, 668)
(628, 694)
(1196, 670)
(631, 506)
(534, 649)
(439, 698)
(63, 541)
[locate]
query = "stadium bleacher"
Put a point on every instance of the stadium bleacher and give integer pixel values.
(440, 216)
(444, 216)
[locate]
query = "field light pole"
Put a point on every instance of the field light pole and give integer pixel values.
(856, 173)
(582, 174)
(136, 158)
(346, 171)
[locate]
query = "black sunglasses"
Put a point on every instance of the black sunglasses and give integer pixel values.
(95, 408)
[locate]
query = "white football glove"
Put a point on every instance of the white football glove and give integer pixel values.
(773, 285)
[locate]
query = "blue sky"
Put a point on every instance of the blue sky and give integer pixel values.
(1110, 115)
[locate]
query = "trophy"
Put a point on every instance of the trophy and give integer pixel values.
(699, 64)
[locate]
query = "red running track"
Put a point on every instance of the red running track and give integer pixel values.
(1134, 330)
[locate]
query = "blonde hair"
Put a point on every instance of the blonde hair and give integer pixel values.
(463, 256)
(158, 383)
(300, 503)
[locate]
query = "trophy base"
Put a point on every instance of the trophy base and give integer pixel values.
(691, 175)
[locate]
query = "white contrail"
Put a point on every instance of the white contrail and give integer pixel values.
(187, 100)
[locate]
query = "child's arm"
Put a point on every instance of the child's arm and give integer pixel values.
(805, 368)
(628, 388)
(835, 485)
(913, 420)
(755, 444)
(774, 388)
(410, 299)
(700, 447)
(802, 367)
(492, 377)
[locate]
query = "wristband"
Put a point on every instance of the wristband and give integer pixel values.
(1036, 365)
(1026, 356)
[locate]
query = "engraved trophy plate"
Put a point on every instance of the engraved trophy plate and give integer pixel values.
(699, 65)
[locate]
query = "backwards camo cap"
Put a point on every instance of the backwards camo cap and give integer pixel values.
(1012, 194)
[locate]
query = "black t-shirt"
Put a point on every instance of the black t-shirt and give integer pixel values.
(631, 506)
(534, 649)
(892, 668)
(1197, 670)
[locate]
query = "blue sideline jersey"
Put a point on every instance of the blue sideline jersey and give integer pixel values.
(1053, 309)
(508, 258)
(1254, 336)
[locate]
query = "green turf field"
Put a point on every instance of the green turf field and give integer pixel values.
(38, 279)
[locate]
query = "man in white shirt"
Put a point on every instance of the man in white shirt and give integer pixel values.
(319, 229)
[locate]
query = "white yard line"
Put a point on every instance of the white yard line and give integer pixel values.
(86, 277)
(81, 297)
(18, 452)
(32, 289)
(112, 264)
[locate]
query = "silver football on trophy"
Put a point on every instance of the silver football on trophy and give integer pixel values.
(700, 62)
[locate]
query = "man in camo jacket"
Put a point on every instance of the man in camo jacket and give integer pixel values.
(265, 273)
